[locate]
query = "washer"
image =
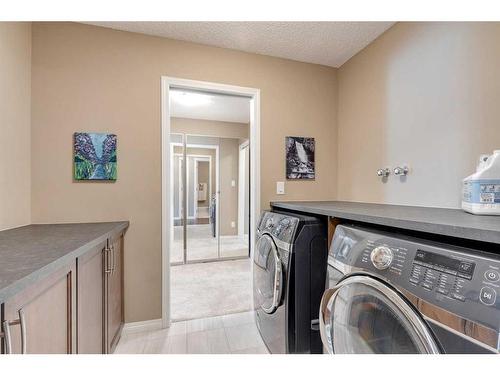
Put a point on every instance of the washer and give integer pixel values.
(289, 274)
(390, 293)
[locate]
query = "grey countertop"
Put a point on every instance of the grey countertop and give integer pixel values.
(442, 221)
(30, 253)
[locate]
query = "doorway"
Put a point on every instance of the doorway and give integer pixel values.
(193, 211)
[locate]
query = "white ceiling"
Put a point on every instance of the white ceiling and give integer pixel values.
(209, 106)
(325, 43)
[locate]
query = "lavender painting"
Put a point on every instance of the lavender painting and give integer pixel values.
(94, 156)
(300, 158)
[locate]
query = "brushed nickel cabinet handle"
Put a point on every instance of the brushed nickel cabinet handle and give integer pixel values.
(107, 260)
(24, 341)
(22, 322)
(7, 335)
(8, 342)
(114, 258)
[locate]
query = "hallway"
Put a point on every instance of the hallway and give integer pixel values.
(204, 290)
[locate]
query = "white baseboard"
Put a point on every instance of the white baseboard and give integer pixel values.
(143, 326)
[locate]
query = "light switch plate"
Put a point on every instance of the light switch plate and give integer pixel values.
(280, 187)
(233, 183)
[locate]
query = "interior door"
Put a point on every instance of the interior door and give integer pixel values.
(363, 315)
(268, 275)
(201, 240)
(234, 198)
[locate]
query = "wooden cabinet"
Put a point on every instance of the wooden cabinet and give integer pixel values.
(78, 308)
(114, 292)
(100, 297)
(91, 301)
(41, 318)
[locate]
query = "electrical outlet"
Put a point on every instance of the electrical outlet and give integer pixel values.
(233, 224)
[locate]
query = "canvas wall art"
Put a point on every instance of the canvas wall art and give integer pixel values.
(94, 156)
(300, 158)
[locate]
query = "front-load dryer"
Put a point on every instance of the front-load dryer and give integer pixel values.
(392, 293)
(289, 273)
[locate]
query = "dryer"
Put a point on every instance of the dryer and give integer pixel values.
(392, 293)
(289, 273)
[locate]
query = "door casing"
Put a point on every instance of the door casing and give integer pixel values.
(167, 210)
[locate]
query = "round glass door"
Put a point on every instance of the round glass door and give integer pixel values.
(363, 315)
(267, 275)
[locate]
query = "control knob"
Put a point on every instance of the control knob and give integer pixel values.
(381, 257)
(269, 223)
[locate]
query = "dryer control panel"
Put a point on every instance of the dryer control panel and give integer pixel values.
(463, 281)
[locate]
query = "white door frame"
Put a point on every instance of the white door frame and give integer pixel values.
(166, 208)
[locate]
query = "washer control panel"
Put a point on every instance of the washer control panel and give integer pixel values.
(282, 227)
(446, 275)
(460, 280)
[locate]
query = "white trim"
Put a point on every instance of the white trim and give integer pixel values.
(143, 326)
(172, 160)
(244, 144)
(242, 160)
(254, 95)
(166, 211)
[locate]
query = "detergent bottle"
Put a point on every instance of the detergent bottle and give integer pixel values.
(481, 190)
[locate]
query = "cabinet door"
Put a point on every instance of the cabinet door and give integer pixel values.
(115, 311)
(90, 307)
(45, 313)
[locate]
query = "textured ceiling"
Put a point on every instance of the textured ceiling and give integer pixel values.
(325, 43)
(208, 106)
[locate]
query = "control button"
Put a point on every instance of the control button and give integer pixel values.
(427, 286)
(270, 223)
(414, 280)
(465, 266)
(491, 275)
(464, 276)
(457, 296)
(451, 272)
(488, 295)
(442, 291)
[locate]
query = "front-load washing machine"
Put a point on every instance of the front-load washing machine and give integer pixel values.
(392, 293)
(289, 274)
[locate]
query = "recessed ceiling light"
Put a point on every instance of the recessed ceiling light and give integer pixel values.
(190, 99)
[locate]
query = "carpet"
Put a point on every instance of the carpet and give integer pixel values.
(210, 289)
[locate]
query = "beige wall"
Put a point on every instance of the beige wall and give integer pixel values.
(15, 116)
(425, 94)
(86, 78)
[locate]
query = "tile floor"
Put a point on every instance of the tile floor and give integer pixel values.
(227, 334)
